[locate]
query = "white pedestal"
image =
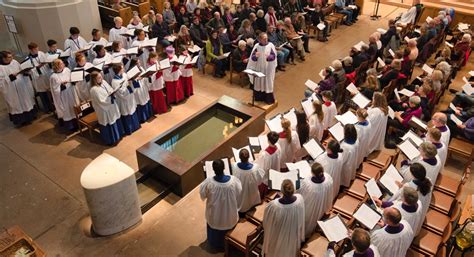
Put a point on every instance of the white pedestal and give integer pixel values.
(112, 195)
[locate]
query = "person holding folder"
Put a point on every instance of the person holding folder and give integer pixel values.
(140, 91)
(289, 143)
(82, 87)
(360, 240)
(101, 56)
(75, 42)
(155, 86)
(434, 136)
(107, 110)
(40, 75)
(222, 195)
(428, 158)
(174, 89)
(332, 162)
(269, 159)
(329, 109)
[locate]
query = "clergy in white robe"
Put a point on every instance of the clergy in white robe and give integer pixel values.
(106, 108)
(428, 158)
(317, 193)
(269, 158)
(289, 143)
(251, 176)
(364, 133)
(101, 56)
(329, 110)
(283, 223)
(378, 117)
(263, 58)
(316, 128)
(360, 240)
(434, 136)
(332, 162)
(350, 146)
(125, 99)
(222, 194)
(439, 121)
(116, 33)
(17, 90)
(83, 87)
(40, 76)
(396, 235)
(75, 42)
(64, 94)
(155, 87)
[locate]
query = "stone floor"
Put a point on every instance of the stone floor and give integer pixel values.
(41, 166)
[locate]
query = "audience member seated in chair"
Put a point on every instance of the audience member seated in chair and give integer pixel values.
(214, 52)
(399, 125)
(240, 57)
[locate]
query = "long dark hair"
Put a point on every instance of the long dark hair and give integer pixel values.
(419, 173)
(302, 127)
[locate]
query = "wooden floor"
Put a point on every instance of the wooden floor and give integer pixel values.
(41, 166)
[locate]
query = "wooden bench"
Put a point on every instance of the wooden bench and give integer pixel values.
(141, 8)
(86, 117)
(108, 14)
(460, 147)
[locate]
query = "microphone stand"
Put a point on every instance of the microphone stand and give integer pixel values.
(375, 16)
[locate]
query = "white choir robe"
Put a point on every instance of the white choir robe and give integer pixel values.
(316, 128)
(222, 202)
(64, 100)
(364, 133)
(424, 199)
(18, 94)
(378, 120)
(102, 41)
(445, 136)
(50, 65)
(138, 26)
(125, 99)
(415, 219)
(317, 201)
(350, 163)
(107, 112)
(269, 161)
(115, 35)
(330, 253)
(333, 167)
(83, 87)
(74, 45)
(284, 228)
(141, 94)
(40, 79)
(393, 245)
(289, 150)
(432, 171)
(250, 180)
(442, 154)
(330, 113)
(107, 72)
(143, 57)
(264, 66)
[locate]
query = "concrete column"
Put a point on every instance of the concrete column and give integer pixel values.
(40, 20)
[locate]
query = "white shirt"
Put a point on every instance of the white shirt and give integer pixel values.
(329, 115)
(364, 133)
(350, 162)
(316, 128)
(126, 100)
(250, 180)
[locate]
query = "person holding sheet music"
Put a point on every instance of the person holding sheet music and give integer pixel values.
(40, 76)
(269, 159)
(332, 162)
(463, 130)
(97, 39)
(250, 176)
(174, 88)
(317, 17)
(143, 50)
(155, 86)
(395, 236)
(294, 38)
(117, 51)
(135, 22)
(117, 32)
(183, 40)
(391, 73)
(351, 147)
(462, 48)
(428, 158)
(302, 129)
(64, 95)
(222, 195)
(53, 50)
(329, 110)
(378, 118)
(101, 56)
(186, 77)
(284, 223)
(17, 90)
(439, 121)
(400, 124)
(317, 192)
(125, 100)
(360, 240)
(289, 143)
(107, 110)
(75, 42)
(83, 87)
(316, 122)
(142, 98)
(263, 58)
(364, 130)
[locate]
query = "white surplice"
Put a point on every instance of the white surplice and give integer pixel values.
(64, 100)
(424, 199)
(330, 252)
(222, 202)
(250, 180)
(445, 136)
(107, 111)
(107, 58)
(125, 99)
(143, 57)
(18, 94)
(415, 219)
(142, 96)
(40, 75)
(330, 113)
(284, 228)
(265, 65)
(442, 154)
(364, 133)
(74, 45)
(317, 201)
(350, 162)
(116, 35)
(316, 128)
(378, 120)
(333, 167)
(393, 245)
(289, 150)
(269, 161)
(432, 171)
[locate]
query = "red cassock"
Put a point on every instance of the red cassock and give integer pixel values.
(157, 97)
(187, 80)
(174, 89)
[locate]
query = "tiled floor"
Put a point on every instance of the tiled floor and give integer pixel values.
(41, 166)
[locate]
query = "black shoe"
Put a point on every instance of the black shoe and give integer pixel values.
(280, 68)
(307, 51)
(452, 91)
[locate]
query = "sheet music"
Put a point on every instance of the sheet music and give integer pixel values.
(397, 95)
(352, 88)
(419, 122)
(449, 44)
(307, 105)
(321, 74)
(194, 49)
(65, 53)
(359, 45)
(465, 80)
(455, 119)
(337, 131)
(171, 38)
(367, 216)
(313, 148)
(254, 73)
(414, 137)
(291, 116)
(77, 75)
(347, 118)
(409, 149)
(391, 113)
(150, 42)
(311, 85)
(133, 72)
(417, 31)
(471, 73)
(192, 60)
(225, 55)
(237, 151)
(334, 229)
(117, 59)
(274, 124)
(132, 50)
(373, 189)
(427, 68)
(361, 100)
(429, 19)
(253, 141)
(302, 166)
(263, 141)
(321, 26)
(381, 62)
(50, 58)
(389, 178)
(277, 178)
(26, 65)
(391, 52)
(210, 171)
(452, 107)
(165, 64)
(468, 89)
(406, 92)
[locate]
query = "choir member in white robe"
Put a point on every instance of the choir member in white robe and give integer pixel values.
(263, 59)
(125, 99)
(316, 122)
(118, 50)
(17, 90)
(289, 143)
(332, 162)
(75, 42)
(116, 33)
(107, 110)
(350, 146)
(360, 240)
(97, 39)
(283, 223)
(395, 236)
(186, 77)
(52, 50)
(434, 136)
(174, 89)
(83, 88)
(364, 132)
(317, 193)
(421, 184)
(250, 176)
(144, 108)
(155, 86)
(64, 95)
(40, 76)
(329, 110)
(269, 158)
(101, 56)
(378, 117)
(428, 158)
(222, 194)
(439, 121)
(143, 50)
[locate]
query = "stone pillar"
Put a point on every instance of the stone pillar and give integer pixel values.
(111, 194)
(40, 20)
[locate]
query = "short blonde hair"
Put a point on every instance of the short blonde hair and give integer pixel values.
(337, 65)
(428, 149)
(437, 75)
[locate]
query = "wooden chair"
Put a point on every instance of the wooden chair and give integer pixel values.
(246, 237)
(231, 72)
(445, 203)
(86, 117)
(213, 65)
(256, 215)
(437, 222)
(382, 159)
(368, 171)
(357, 189)
(413, 253)
(461, 147)
(431, 243)
(450, 185)
(316, 245)
(346, 205)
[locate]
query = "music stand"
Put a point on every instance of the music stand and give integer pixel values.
(375, 16)
(253, 74)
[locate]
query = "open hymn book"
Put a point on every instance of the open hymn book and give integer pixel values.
(414, 137)
(367, 216)
(314, 148)
(209, 171)
(409, 149)
(337, 131)
(389, 179)
(237, 151)
(302, 166)
(334, 229)
(275, 178)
